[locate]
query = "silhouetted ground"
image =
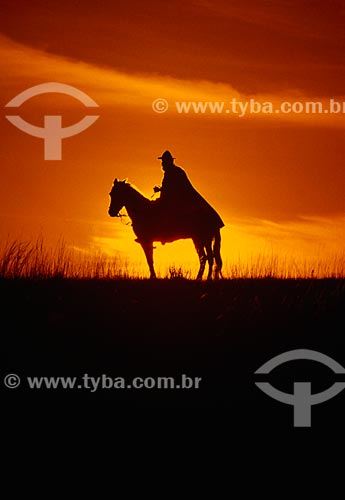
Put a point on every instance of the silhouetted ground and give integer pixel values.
(220, 331)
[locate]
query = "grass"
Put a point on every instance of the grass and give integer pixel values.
(221, 331)
(35, 260)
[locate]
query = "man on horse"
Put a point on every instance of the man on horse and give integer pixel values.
(179, 202)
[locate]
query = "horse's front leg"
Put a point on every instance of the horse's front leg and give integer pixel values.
(148, 249)
(202, 258)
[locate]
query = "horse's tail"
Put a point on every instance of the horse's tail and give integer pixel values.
(216, 252)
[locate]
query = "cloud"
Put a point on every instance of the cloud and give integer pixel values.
(137, 91)
(307, 237)
(281, 17)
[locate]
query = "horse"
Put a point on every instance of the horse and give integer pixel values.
(150, 225)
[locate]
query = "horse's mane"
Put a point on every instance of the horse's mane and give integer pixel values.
(133, 186)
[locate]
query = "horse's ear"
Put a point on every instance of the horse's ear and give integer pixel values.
(116, 181)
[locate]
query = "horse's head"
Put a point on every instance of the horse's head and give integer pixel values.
(117, 197)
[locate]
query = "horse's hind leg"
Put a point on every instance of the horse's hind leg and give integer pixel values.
(199, 247)
(209, 255)
(148, 249)
(217, 256)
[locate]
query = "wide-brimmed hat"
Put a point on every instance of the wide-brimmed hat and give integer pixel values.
(165, 156)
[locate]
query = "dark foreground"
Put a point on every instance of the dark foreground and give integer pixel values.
(222, 332)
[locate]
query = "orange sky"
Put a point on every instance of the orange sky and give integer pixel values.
(277, 181)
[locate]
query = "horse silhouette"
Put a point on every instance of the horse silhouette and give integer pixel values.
(150, 224)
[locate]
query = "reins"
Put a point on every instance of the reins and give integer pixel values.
(122, 221)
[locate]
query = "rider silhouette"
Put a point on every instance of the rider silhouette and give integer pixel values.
(179, 200)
